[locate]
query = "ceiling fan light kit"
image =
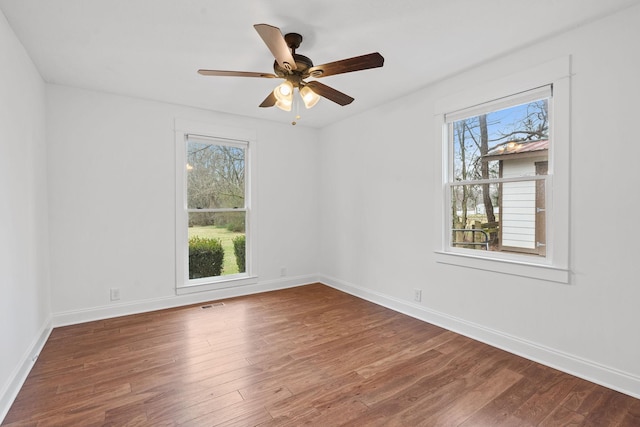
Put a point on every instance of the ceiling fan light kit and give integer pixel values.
(309, 97)
(294, 68)
(284, 96)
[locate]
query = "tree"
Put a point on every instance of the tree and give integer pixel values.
(462, 193)
(484, 169)
(534, 125)
(216, 179)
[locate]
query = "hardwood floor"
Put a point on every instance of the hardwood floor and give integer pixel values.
(304, 356)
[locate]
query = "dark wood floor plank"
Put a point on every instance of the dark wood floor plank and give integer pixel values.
(439, 387)
(561, 416)
(247, 410)
(465, 405)
(336, 388)
(432, 370)
(50, 406)
(402, 354)
(612, 409)
(550, 392)
(182, 415)
(499, 411)
(310, 355)
(632, 417)
(133, 414)
(583, 397)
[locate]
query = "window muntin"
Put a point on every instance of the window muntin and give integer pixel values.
(497, 175)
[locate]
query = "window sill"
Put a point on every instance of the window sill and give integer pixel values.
(213, 285)
(515, 268)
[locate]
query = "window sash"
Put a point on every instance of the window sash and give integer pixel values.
(500, 103)
(221, 142)
(540, 93)
(448, 196)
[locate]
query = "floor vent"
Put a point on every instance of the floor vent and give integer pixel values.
(215, 304)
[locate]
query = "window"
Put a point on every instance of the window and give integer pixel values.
(213, 214)
(498, 157)
(504, 175)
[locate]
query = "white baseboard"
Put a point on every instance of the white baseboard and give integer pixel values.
(10, 390)
(126, 308)
(591, 371)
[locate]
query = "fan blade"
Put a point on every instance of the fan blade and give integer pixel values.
(269, 101)
(357, 63)
(235, 73)
(274, 40)
(330, 93)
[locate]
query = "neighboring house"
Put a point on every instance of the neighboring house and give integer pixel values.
(522, 204)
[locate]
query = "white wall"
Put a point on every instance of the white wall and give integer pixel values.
(24, 302)
(378, 220)
(111, 180)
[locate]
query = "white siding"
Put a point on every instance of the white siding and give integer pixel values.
(519, 205)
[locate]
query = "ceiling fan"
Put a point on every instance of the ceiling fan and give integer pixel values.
(295, 68)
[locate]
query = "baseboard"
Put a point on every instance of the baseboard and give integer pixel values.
(74, 317)
(603, 375)
(10, 391)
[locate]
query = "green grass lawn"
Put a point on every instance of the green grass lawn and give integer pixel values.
(226, 237)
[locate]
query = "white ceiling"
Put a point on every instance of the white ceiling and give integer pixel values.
(152, 48)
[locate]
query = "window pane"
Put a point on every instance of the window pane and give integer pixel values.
(507, 217)
(216, 244)
(215, 176)
(481, 142)
(476, 216)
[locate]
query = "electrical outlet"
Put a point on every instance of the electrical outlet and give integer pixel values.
(283, 271)
(417, 295)
(115, 294)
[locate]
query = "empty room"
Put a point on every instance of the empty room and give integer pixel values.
(251, 213)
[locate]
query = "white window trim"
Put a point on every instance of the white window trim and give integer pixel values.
(184, 128)
(555, 266)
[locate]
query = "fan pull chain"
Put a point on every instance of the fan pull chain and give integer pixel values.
(296, 108)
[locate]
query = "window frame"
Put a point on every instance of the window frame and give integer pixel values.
(235, 137)
(555, 265)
